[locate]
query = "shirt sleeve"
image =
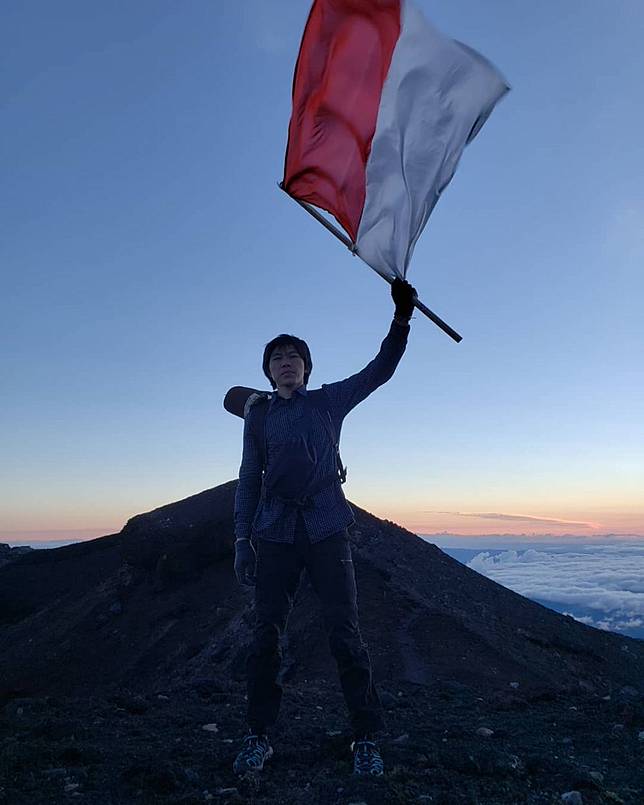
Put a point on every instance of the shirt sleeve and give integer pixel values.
(250, 484)
(346, 394)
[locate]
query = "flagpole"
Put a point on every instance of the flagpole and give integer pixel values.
(352, 248)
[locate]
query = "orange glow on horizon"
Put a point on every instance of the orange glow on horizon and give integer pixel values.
(487, 523)
(478, 519)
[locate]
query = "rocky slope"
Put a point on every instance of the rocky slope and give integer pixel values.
(117, 652)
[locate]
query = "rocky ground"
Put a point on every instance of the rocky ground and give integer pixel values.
(445, 744)
(122, 665)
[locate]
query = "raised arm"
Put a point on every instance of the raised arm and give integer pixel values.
(346, 394)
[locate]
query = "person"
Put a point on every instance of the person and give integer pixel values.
(290, 501)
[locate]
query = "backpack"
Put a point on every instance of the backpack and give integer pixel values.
(290, 477)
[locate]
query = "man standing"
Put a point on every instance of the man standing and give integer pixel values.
(290, 499)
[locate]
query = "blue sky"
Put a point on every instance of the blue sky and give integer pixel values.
(147, 256)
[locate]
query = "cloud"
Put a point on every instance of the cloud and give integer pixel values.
(522, 518)
(607, 625)
(619, 547)
(609, 581)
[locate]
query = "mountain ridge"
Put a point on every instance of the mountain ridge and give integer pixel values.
(159, 583)
(122, 678)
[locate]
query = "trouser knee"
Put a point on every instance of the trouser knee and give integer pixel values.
(348, 647)
(265, 644)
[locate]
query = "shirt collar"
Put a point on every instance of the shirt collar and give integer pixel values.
(275, 397)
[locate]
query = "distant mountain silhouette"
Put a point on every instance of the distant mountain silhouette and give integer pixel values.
(158, 605)
(8, 554)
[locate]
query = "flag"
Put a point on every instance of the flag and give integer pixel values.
(383, 106)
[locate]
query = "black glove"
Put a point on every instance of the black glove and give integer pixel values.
(245, 558)
(403, 295)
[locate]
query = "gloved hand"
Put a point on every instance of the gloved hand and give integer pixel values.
(403, 295)
(245, 559)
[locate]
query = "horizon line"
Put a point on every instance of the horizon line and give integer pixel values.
(436, 534)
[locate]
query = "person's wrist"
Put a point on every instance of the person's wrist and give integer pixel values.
(402, 320)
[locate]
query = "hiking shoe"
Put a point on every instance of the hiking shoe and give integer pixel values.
(366, 758)
(255, 752)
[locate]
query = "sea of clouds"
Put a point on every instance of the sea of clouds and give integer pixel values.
(601, 585)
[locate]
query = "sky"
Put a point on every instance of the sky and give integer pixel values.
(147, 255)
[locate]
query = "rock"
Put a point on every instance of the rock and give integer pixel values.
(17, 708)
(586, 778)
(484, 760)
(629, 693)
(629, 714)
(388, 701)
(641, 735)
(8, 554)
(507, 700)
(514, 684)
(401, 739)
(572, 798)
(210, 728)
(137, 705)
(587, 686)
(452, 686)
(515, 764)
(485, 732)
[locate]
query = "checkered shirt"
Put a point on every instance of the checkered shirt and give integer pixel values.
(272, 519)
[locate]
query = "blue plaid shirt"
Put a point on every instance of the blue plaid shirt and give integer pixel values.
(273, 519)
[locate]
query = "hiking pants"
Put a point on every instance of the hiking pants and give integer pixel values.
(330, 568)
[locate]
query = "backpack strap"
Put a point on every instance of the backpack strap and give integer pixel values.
(320, 400)
(317, 400)
(256, 416)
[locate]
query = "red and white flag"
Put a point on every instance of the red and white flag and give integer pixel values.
(383, 106)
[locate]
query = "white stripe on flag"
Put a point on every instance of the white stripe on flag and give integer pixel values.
(436, 96)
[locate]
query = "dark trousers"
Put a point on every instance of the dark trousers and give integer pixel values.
(330, 569)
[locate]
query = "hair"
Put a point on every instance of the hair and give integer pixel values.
(281, 341)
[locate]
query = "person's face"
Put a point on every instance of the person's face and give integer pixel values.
(286, 367)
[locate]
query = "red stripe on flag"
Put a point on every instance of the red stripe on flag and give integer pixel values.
(342, 65)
